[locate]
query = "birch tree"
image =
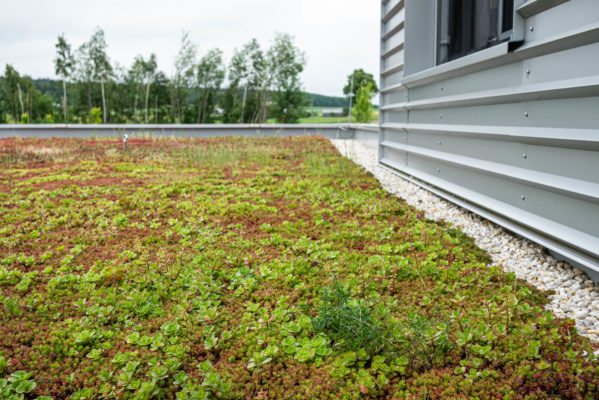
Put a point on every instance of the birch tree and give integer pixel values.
(13, 81)
(257, 84)
(184, 75)
(4, 100)
(210, 76)
(101, 63)
(249, 73)
(85, 73)
(160, 94)
(119, 94)
(136, 74)
(237, 72)
(287, 62)
(149, 71)
(64, 64)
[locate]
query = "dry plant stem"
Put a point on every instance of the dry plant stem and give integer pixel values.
(421, 280)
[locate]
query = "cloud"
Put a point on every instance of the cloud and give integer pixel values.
(337, 35)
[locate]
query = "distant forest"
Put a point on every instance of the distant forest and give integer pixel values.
(256, 85)
(53, 89)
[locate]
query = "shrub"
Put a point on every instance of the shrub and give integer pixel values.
(349, 321)
(355, 325)
(96, 116)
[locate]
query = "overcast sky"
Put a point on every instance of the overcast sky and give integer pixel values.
(337, 35)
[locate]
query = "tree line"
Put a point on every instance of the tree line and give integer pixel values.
(261, 82)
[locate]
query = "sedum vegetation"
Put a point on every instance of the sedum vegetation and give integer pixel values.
(253, 269)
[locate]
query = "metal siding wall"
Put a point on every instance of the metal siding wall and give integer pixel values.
(512, 136)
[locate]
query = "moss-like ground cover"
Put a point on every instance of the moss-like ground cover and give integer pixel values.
(253, 269)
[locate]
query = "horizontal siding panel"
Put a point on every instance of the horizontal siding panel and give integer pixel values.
(541, 208)
(393, 44)
(395, 157)
(533, 7)
(394, 24)
(523, 223)
(393, 136)
(560, 113)
(570, 88)
(393, 98)
(569, 64)
(573, 63)
(391, 8)
(393, 89)
(392, 79)
(394, 59)
(392, 69)
(505, 159)
(563, 18)
(400, 117)
(582, 139)
(498, 55)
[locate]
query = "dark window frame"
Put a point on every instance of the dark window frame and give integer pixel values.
(461, 31)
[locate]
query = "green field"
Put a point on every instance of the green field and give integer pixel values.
(321, 109)
(323, 120)
(327, 120)
(316, 120)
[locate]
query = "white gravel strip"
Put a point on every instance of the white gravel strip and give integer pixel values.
(575, 296)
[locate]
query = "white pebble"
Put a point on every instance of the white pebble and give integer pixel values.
(576, 297)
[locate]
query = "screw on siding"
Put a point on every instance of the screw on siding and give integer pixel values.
(440, 115)
(526, 113)
(439, 143)
(524, 155)
(438, 169)
(532, 28)
(523, 197)
(528, 72)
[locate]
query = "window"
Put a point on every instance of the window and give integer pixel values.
(467, 26)
(439, 31)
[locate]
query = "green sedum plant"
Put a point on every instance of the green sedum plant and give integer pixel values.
(16, 385)
(120, 272)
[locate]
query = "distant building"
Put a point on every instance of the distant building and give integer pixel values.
(337, 112)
